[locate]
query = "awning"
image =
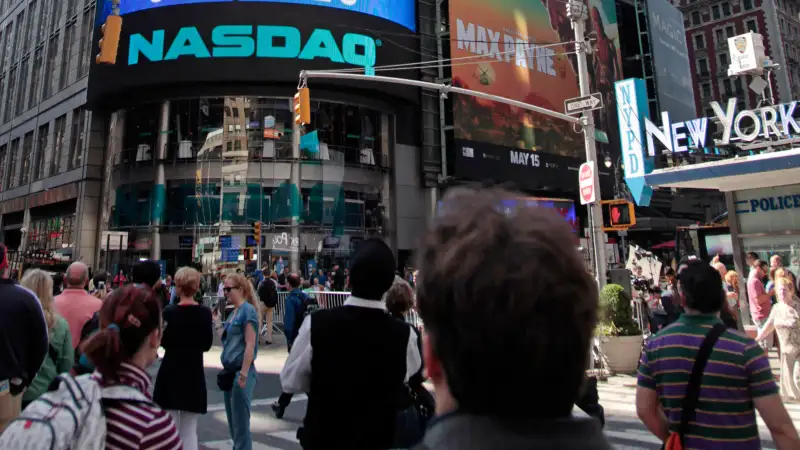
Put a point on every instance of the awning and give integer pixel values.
(668, 244)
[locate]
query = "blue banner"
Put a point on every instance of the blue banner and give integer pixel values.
(402, 12)
(310, 142)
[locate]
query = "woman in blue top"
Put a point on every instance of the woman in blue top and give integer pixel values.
(239, 350)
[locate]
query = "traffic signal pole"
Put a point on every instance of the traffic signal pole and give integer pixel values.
(578, 13)
(586, 122)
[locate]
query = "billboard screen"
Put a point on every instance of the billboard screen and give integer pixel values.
(398, 11)
(671, 60)
(245, 47)
(520, 50)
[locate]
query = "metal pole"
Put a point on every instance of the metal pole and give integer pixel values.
(577, 13)
(160, 189)
(444, 88)
(294, 181)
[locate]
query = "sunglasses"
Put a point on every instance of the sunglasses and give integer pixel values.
(228, 289)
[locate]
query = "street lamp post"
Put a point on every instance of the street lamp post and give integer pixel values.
(578, 13)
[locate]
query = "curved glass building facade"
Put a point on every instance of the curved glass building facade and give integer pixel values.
(192, 176)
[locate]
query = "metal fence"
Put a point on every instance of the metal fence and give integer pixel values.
(326, 299)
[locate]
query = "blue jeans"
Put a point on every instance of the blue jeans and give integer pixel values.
(237, 408)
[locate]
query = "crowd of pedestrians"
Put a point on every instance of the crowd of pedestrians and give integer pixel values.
(471, 315)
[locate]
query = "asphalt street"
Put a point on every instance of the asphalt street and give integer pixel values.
(622, 428)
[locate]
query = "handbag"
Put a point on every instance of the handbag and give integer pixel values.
(411, 422)
(225, 379)
(690, 400)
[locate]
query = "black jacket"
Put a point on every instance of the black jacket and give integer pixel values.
(23, 334)
(466, 432)
(181, 380)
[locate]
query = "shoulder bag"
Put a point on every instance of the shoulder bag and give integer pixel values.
(675, 441)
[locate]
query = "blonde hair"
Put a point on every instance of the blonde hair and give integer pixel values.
(41, 284)
(783, 281)
(248, 292)
(187, 281)
(733, 279)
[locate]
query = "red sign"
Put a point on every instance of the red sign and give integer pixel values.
(586, 183)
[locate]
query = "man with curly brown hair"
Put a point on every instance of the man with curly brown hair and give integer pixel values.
(505, 298)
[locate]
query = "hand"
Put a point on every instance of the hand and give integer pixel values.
(242, 380)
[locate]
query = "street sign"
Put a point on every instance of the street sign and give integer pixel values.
(586, 183)
(582, 104)
(600, 136)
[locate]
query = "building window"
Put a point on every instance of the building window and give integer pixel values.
(8, 43)
(706, 89)
(86, 42)
(738, 84)
(18, 41)
(69, 40)
(751, 25)
(715, 12)
(699, 42)
(723, 62)
(12, 164)
(58, 145)
(76, 146)
(702, 67)
(3, 155)
(26, 41)
(696, 18)
(42, 26)
(2, 48)
(727, 89)
(23, 83)
(55, 13)
(71, 4)
(720, 38)
(730, 31)
(12, 85)
(36, 85)
(51, 84)
(726, 9)
(747, 5)
(27, 153)
(42, 139)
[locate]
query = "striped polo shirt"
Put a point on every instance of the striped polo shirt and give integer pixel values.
(737, 372)
(137, 426)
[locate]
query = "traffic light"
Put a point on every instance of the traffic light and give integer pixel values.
(618, 215)
(257, 232)
(248, 254)
(302, 106)
(109, 42)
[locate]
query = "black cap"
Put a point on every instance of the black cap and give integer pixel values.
(371, 269)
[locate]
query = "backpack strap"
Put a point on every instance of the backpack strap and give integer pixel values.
(692, 397)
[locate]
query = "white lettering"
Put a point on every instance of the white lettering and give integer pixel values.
(465, 36)
(698, 130)
(663, 136)
(677, 137)
(770, 123)
(756, 126)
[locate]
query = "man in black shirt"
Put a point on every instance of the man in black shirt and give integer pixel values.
(23, 341)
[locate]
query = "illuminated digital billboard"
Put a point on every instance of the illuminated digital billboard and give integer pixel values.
(402, 12)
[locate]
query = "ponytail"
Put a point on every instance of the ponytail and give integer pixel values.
(249, 294)
(127, 318)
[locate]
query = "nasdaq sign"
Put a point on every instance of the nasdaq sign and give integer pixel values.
(402, 12)
(262, 41)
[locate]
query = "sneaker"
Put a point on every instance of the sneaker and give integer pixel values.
(278, 410)
(264, 330)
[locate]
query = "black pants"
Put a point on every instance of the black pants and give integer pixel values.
(285, 398)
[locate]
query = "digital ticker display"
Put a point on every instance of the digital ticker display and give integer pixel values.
(402, 12)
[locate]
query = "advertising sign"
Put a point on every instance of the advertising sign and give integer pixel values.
(671, 59)
(401, 12)
(179, 48)
(633, 112)
(586, 183)
(520, 50)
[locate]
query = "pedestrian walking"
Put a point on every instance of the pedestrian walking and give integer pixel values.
(298, 305)
(357, 347)
(239, 341)
(268, 295)
(784, 320)
(700, 382)
(75, 304)
(121, 351)
(61, 354)
(531, 334)
(181, 381)
(23, 332)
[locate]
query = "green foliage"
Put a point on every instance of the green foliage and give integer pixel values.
(616, 316)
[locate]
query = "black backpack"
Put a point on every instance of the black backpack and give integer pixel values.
(268, 293)
(310, 305)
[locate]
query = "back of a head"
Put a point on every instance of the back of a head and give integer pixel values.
(508, 290)
(701, 286)
(77, 276)
(187, 281)
(399, 298)
(146, 272)
(294, 280)
(127, 317)
(372, 269)
(41, 284)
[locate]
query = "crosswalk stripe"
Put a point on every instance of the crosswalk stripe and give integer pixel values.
(228, 445)
(259, 402)
(631, 434)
